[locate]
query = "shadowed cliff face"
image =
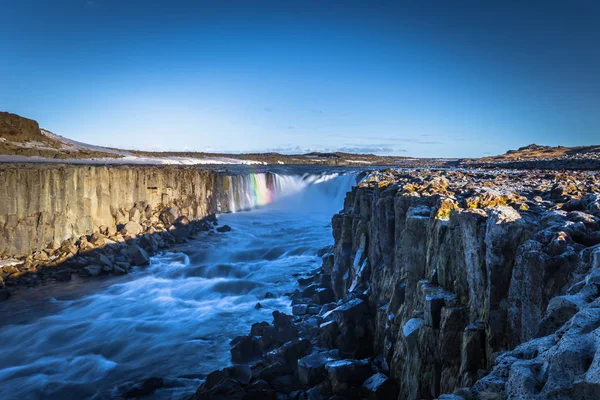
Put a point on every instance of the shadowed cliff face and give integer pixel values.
(462, 266)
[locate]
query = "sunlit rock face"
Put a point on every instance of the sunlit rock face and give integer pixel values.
(19, 129)
(462, 266)
(44, 205)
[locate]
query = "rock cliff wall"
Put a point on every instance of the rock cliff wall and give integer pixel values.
(460, 267)
(44, 205)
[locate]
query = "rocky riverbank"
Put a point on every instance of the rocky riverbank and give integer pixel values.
(59, 220)
(457, 285)
(46, 204)
(104, 252)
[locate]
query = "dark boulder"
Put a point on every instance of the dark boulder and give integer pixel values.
(323, 296)
(245, 348)
(137, 255)
(227, 389)
(289, 353)
(148, 387)
(311, 369)
(379, 387)
(348, 373)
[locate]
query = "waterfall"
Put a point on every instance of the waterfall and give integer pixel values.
(254, 190)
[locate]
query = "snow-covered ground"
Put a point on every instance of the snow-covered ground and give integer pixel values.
(126, 157)
(69, 144)
(132, 160)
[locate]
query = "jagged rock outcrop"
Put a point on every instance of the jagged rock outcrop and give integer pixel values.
(454, 285)
(17, 128)
(22, 137)
(463, 267)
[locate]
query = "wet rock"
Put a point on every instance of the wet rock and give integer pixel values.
(410, 330)
(63, 275)
(313, 309)
(147, 388)
(284, 326)
(270, 372)
(379, 387)
(241, 373)
(309, 290)
(353, 310)
(290, 352)
(227, 389)
(118, 270)
(102, 260)
(323, 296)
(329, 333)
(300, 309)
(137, 255)
(224, 228)
(245, 348)
(91, 271)
(311, 369)
(258, 384)
(347, 373)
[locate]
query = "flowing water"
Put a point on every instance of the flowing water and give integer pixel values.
(174, 318)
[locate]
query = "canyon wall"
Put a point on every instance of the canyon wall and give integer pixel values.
(44, 205)
(460, 269)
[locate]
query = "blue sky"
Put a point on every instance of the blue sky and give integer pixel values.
(413, 78)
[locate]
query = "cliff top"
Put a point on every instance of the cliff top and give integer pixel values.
(18, 129)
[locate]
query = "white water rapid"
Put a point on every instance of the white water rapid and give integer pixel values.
(173, 319)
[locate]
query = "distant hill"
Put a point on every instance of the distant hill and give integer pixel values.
(538, 152)
(536, 156)
(22, 140)
(22, 137)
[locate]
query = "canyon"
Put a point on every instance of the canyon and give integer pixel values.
(382, 283)
(448, 284)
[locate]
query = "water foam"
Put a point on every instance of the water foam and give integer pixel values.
(176, 317)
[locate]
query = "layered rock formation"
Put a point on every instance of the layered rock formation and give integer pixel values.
(461, 267)
(45, 205)
(94, 220)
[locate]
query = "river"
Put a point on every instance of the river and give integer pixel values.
(173, 319)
